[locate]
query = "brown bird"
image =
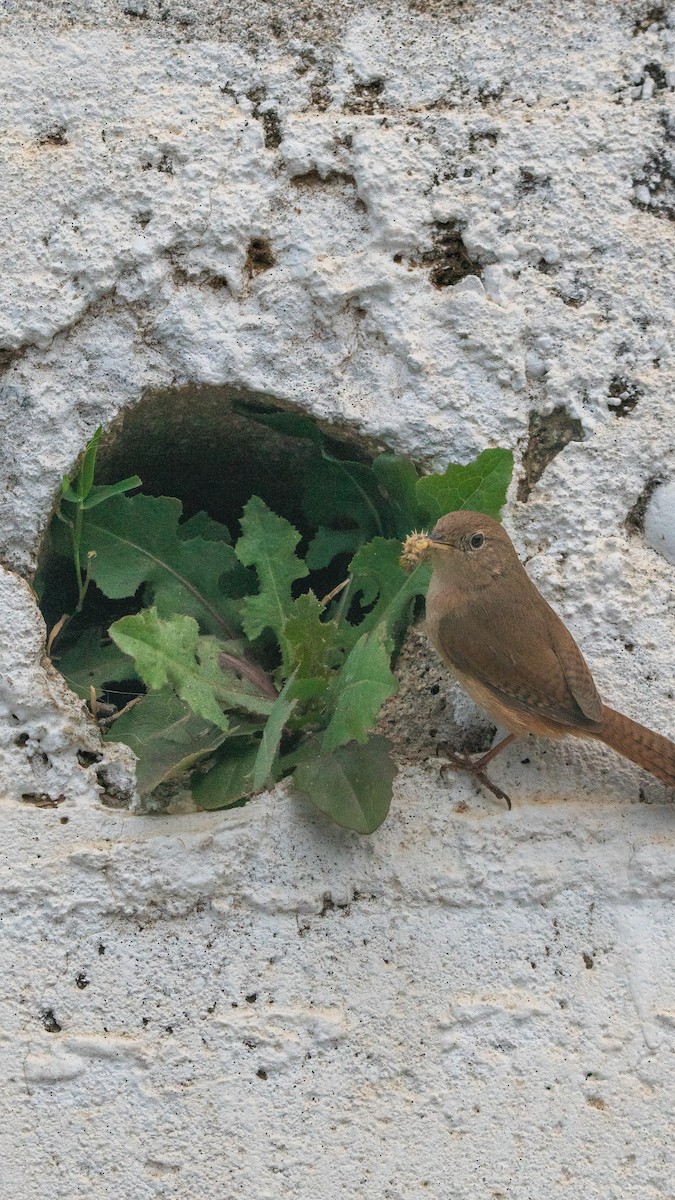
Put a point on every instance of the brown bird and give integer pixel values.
(511, 652)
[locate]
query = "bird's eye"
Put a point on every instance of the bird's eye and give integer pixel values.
(476, 541)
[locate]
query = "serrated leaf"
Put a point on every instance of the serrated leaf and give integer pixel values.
(98, 494)
(166, 737)
(328, 543)
(268, 543)
(397, 480)
(377, 574)
(172, 653)
(92, 661)
(378, 580)
(480, 485)
(353, 785)
(229, 780)
(309, 639)
(364, 683)
(201, 525)
(137, 542)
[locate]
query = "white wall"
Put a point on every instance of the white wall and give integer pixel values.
(469, 1003)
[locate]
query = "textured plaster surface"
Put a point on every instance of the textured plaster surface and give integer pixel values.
(470, 1003)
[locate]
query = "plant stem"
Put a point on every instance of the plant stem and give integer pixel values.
(87, 580)
(248, 670)
(342, 606)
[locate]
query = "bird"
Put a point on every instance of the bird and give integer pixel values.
(511, 652)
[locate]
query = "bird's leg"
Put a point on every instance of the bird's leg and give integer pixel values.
(486, 758)
(466, 763)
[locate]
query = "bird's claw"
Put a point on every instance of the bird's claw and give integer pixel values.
(466, 763)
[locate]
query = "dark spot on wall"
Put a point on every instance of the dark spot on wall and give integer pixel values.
(624, 395)
(449, 260)
(50, 1022)
(259, 257)
(658, 176)
(21, 740)
(588, 961)
(261, 1074)
(312, 179)
(489, 93)
(251, 998)
(165, 165)
(136, 8)
(42, 799)
(547, 268)
(87, 758)
(269, 118)
(655, 15)
(56, 136)
(635, 519)
(574, 293)
(529, 182)
(81, 981)
(655, 72)
(115, 794)
(547, 436)
(480, 138)
(365, 97)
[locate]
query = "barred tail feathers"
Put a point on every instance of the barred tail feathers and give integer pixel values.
(650, 750)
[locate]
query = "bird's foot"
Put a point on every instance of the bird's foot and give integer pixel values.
(464, 762)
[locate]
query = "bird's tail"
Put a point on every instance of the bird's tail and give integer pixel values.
(641, 745)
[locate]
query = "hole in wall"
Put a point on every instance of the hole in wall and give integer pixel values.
(210, 448)
(449, 260)
(623, 395)
(205, 446)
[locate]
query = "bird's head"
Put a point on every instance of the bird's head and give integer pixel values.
(466, 545)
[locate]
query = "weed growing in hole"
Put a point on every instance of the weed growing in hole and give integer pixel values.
(239, 673)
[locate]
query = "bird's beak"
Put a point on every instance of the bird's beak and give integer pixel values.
(438, 540)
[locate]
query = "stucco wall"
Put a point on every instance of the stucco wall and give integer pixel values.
(469, 1003)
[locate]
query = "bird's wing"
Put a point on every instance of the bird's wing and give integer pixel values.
(527, 659)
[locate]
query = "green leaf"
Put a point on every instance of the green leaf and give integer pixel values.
(341, 493)
(328, 543)
(67, 492)
(230, 779)
(136, 540)
(364, 683)
(353, 785)
(292, 424)
(397, 480)
(309, 640)
(85, 478)
(379, 581)
(166, 736)
(268, 543)
(481, 486)
(98, 494)
(377, 575)
(172, 653)
(204, 526)
(269, 745)
(92, 661)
